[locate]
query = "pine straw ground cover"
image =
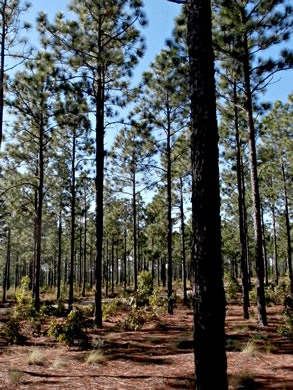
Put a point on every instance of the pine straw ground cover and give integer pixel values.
(159, 356)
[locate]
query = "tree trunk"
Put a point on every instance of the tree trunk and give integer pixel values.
(183, 255)
(84, 252)
(264, 247)
(72, 238)
(169, 214)
(241, 200)
(2, 60)
(259, 260)
(5, 273)
(275, 245)
(107, 268)
(208, 289)
(99, 182)
(134, 222)
(125, 259)
(39, 219)
(289, 251)
(59, 255)
(80, 258)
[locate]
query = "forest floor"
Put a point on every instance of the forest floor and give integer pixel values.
(158, 356)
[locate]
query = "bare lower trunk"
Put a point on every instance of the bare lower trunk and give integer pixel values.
(208, 290)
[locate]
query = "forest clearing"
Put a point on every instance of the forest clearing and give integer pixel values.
(155, 351)
(143, 156)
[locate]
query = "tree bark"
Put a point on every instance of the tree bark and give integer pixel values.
(264, 248)
(183, 254)
(134, 224)
(2, 64)
(72, 238)
(259, 260)
(244, 272)
(99, 182)
(59, 255)
(275, 244)
(39, 217)
(208, 289)
(289, 251)
(169, 214)
(84, 250)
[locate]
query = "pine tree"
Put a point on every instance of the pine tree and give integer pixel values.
(101, 48)
(10, 29)
(209, 297)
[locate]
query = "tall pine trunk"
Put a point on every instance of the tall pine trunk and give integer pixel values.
(169, 214)
(39, 218)
(275, 245)
(72, 238)
(259, 260)
(183, 254)
(244, 272)
(289, 251)
(59, 254)
(99, 183)
(84, 251)
(134, 228)
(208, 290)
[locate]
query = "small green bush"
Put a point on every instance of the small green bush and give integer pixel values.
(157, 302)
(233, 288)
(11, 332)
(111, 308)
(73, 329)
(286, 329)
(144, 285)
(135, 320)
(24, 300)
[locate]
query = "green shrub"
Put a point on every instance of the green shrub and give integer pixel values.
(24, 300)
(135, 320)
(73, 329)
(111, 308)
(286, 329)
(144, 285)
(233, 288)
(11, 332)
(157, 302)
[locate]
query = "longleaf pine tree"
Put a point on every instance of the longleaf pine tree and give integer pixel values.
(101, 45)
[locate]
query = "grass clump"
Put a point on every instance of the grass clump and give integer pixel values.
(15, 376)
(96, 357)
(250, 348)
(59, 363)
(36, 357)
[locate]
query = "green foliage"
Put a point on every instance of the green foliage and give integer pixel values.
(286, 329)
(135, 320)
(24, 300)
(111, 308)
(144, 284)
(74, 328)
(233, 288)
(157, 302)
(11, 332)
